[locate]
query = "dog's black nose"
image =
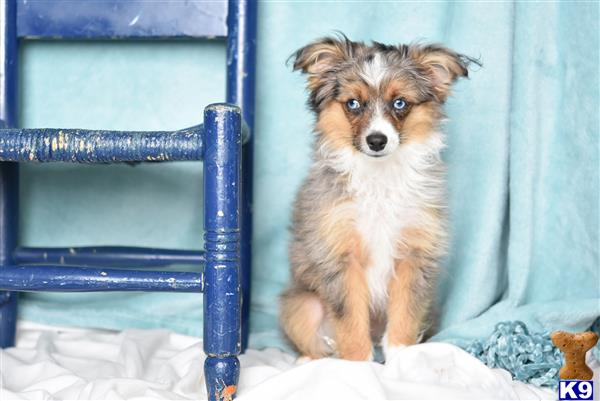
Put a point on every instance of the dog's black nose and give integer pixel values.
(376, 141)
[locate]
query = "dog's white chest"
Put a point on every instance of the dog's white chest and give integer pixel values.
(380, 220)
(383, 209)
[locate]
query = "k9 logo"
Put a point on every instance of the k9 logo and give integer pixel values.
(575, 390)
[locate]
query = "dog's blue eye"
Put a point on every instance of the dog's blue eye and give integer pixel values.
(399, 104)
(353, 104)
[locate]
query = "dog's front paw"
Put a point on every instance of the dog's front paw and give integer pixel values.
(391, 352)
(303, 359)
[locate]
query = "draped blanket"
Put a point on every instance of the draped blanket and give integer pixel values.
(523, 168)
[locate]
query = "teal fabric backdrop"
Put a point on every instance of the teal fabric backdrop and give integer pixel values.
(522, 155)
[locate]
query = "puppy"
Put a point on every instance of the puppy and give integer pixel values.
(368, 223)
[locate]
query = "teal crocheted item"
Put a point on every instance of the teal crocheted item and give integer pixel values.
(530, 358)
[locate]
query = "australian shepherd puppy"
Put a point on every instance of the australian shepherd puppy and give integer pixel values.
(368, 225)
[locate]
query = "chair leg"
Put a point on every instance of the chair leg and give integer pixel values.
(218, 372)
(222, 292)
(241, 77)
(8, 241)
(8, 318)
(9, 172)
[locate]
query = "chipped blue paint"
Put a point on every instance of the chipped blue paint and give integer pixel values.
(108, 256)
(92, 146)
(9, 172)
(220, 374)
(50, 278)
(241, 74)
(110, 19)
(222, 314)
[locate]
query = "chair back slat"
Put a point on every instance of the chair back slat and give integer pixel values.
(112, 19)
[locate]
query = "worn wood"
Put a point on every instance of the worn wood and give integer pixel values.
(9, 172)
(112, 19)
(108, 256)
(97, 146)
(222, 290)
(50, 278)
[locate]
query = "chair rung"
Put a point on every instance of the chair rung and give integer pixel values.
(86, 279)
(108, 256)
(96, 146)
(92, 146)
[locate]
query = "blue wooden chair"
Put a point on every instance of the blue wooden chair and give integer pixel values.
(223, 142)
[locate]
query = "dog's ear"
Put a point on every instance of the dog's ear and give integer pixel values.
(322, 55)
(443, 66)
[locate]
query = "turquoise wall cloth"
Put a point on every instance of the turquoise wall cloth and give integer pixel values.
(522, 155)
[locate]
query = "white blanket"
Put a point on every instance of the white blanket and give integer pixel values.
(58, 363)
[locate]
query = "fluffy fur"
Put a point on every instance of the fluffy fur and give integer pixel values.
(369, 221)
